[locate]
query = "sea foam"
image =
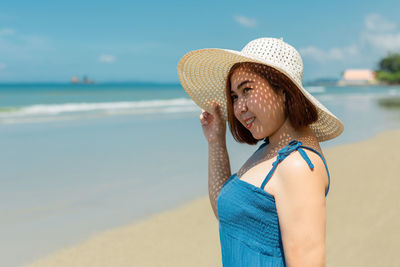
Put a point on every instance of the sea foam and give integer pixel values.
(46, 112)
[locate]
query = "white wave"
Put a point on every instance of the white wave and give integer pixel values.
(51, 112)
(54, 109)
(315, 89)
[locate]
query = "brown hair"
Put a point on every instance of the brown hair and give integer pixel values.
(298, 108)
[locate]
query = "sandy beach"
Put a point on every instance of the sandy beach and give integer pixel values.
(362, 220)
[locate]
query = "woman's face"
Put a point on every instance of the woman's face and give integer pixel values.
(255, 104)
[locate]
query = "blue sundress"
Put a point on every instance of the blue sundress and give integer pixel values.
(248, 220)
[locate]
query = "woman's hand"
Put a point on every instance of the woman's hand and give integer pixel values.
(214, 127)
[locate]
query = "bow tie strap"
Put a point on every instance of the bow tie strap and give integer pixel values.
(283, 153)
(306, 158)
(293, 146)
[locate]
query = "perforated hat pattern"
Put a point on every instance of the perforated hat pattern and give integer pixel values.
(278, 53)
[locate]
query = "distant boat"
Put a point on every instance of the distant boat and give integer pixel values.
(85, 80)
(75, 79)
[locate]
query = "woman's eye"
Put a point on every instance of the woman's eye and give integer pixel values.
(245, 89)
(234, 97)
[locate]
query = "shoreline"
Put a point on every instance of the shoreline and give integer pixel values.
(361, 220)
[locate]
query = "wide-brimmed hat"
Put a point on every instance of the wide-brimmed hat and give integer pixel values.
(203, 74)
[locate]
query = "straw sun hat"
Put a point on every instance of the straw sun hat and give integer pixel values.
(203, 73)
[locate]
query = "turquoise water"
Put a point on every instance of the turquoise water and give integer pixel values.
(54, 102)
(80, 159)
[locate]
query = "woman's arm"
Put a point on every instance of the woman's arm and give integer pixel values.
(219, 169)
(301, 207)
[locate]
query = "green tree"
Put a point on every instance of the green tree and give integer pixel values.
(391, 63)
(389, 69)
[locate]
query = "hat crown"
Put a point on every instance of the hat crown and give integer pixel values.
(277, 53)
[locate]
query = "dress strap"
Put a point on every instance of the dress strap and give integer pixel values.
(326, 166)
(286, 151)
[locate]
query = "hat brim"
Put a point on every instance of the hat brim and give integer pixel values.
(203, 74)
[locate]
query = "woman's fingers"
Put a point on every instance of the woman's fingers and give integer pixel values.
(217, 111)
(205, 114)
(205, 118)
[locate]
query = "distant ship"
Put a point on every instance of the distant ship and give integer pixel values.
(85, 80)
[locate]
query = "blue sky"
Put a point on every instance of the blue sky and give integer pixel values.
(51, 41)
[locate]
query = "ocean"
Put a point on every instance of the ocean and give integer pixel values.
(78, 159)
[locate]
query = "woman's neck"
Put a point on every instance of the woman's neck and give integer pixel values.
(287, 133)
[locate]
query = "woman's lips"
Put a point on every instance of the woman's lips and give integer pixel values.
(248, 126)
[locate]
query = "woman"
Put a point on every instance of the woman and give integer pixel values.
(271, 212)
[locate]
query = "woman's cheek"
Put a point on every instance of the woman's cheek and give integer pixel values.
(235, 111)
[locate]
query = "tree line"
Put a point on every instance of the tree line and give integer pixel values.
(389, 69)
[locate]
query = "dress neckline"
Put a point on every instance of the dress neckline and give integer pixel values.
(254, 188)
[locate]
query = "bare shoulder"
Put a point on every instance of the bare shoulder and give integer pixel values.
(301, 205)
(295, 175)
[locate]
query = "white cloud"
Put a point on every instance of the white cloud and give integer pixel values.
(379, 34)
(105, 58)
(2, 66)
(377, 38)
(20, 44)
(333, 54)
(4, 16)
(6, 31)
(246, 22)
(34, 40)
(375, 22)
(382, 41)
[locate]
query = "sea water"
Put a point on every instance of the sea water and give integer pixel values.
(79, 159)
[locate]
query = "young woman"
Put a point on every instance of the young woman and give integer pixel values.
(272, 211)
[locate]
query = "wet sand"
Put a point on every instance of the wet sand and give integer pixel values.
(363, 220)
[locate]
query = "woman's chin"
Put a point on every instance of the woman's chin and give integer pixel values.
(256, 136)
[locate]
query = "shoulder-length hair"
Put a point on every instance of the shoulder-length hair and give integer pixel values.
(298, 108)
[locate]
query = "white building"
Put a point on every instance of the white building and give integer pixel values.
(358, 77)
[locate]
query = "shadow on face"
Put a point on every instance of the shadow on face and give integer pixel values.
(254, 100)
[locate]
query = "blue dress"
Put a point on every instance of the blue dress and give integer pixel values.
(248, 220)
